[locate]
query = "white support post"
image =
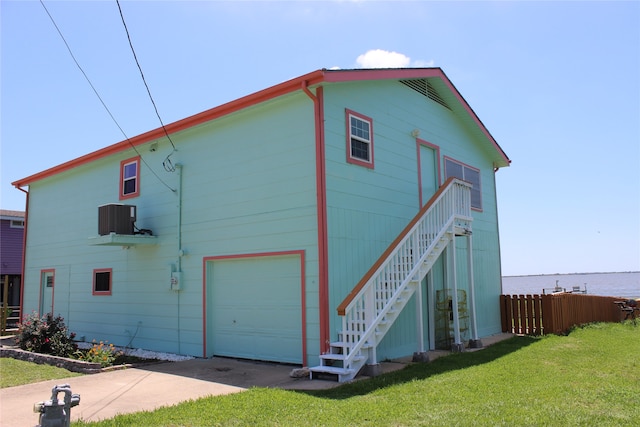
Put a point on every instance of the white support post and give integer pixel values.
(431, 295)
(370, 315)
(457, 342)
(475, 341)
(420, 318)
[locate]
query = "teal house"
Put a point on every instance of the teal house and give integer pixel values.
(332, 221)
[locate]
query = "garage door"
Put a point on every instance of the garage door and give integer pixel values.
(256, 308)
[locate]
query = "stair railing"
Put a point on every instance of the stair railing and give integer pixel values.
(374, 295)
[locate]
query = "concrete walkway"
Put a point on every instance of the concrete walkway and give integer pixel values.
(146, 388)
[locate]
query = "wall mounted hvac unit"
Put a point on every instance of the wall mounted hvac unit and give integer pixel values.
(116, 218)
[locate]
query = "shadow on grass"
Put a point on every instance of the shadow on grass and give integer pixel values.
(419, 371)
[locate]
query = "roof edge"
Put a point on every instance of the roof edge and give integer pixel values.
(309, 79)
(271, 92)
(11, 214)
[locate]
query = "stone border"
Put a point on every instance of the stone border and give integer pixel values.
(72, 365)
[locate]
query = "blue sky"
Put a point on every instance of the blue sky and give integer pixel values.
(556, 83)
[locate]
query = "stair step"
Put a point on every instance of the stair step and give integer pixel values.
(331, 370)
(342, 345)
(337, 356)
(339, 344)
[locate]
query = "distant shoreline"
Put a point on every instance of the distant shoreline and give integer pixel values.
(573, 274)
(620, 284)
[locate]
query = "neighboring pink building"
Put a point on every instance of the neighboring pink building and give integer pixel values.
(11, 244)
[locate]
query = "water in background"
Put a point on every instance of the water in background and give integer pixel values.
(624, 285)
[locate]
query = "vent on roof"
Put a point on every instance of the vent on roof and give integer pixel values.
(423, 87)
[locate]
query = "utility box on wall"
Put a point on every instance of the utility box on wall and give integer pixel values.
(116, 218)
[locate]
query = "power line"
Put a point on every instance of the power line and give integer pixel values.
(100, 98)
(167, 162)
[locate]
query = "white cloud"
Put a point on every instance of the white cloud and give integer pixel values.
(378, 58)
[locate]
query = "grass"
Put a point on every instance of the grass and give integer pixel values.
(15, 372)
(589, 377)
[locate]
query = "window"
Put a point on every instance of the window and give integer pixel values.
(466, 173)
(129, 178)
(102, 281)
(16, 223)
(359, 139)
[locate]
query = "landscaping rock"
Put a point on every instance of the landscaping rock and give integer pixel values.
(299, 373)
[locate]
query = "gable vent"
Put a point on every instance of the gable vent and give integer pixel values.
(423, 87)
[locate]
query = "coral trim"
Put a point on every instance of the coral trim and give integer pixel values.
(310, 79)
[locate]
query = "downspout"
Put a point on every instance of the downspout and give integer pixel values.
(321, 200)
(495, 201)
(180, 253)
(178, 167)
(24, 252)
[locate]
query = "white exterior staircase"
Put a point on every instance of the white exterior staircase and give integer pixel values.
(376, 302)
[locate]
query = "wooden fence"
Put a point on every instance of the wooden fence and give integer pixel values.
(555, 313)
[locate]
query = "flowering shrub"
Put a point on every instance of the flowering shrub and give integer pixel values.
(46, 335)
(102, 353)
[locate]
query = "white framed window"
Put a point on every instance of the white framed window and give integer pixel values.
(466, 173)
(129, 178)
(16, 223)
(359, 139)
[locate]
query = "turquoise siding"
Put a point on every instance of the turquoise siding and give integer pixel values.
(248, 187)
(368, 208)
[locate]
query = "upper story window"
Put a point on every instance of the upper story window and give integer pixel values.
(129, 178)
(465, 173)
(359, 139)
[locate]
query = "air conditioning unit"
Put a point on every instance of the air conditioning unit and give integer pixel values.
(116, 218)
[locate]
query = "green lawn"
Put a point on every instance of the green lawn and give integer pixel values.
(590, 377)
(17, 372)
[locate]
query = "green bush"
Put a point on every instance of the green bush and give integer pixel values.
(46, 335)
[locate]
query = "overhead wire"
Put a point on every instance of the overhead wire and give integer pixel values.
(167, 162)
(95, 91)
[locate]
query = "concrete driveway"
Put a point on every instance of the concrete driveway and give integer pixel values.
(108, 394)
(145, 388)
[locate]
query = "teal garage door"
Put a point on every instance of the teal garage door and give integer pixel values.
(256, 310)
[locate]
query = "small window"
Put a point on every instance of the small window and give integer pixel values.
(359, 139)
(465, 173)
(102, 282)
(16, 223)
(129, 178)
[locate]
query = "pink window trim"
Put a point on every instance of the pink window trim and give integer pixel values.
(123, 163)
(352, 160)
(102, 270)
(420, 142)
(445, 158)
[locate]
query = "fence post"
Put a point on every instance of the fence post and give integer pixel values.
(547, 314)
(538, 314)
(503, 313)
